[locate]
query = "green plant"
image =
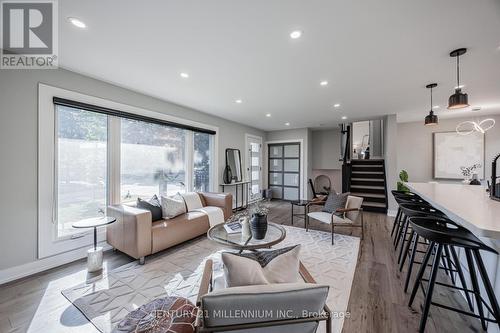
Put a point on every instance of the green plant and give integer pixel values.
(403, 178)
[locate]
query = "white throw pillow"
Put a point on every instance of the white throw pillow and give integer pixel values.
(262, 267)
(172, 206)
(192, 200)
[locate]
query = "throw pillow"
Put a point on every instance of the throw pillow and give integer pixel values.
(262, 267)
(172, 206)
(192, 200)
(335, 201)
(153, 205)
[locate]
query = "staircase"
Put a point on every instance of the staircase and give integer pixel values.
(368, 182)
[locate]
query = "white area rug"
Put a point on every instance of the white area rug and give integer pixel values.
(178, 271)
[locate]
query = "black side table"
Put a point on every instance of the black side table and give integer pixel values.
(300, 203)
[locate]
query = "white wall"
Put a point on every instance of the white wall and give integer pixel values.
(326, 149)
(18, 134)
(391, 158)
(415, 146)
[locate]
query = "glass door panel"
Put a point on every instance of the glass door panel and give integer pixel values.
(284, 170)
(254, 167)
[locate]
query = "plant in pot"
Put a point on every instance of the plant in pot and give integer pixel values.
(258, 222)
(403, 178)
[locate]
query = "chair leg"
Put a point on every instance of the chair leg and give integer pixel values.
(403, 239)
(450, 266)
(461, 277)
(406, 251)
(420, 273)
(362, 226)
(402, 217)
(487, 286)
(332, 234)
(430, 288)
(396, 220)
(412, 261)
(142, 260)
(475, 287)
(402, 228)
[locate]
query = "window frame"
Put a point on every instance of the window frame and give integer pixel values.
(48, 242)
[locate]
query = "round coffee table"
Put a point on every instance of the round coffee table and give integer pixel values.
(94, 255)
(243, 240)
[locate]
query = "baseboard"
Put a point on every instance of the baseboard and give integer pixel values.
(392, 213)
(37, 266)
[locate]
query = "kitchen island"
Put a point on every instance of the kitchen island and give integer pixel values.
(471, 207)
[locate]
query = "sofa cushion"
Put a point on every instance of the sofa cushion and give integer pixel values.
(192, 200)
(262, 267)
(153, 205)
(172, 206)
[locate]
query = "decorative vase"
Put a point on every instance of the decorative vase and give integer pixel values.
(228, 175)
(475, 180)
(258, 225)
(245, 228)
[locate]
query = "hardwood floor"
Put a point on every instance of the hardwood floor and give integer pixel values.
(377, 302)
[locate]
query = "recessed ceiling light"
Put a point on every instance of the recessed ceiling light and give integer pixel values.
(323, 83)
(238, 101)
(436, 107)
(77, 23)
(295, 34)
(184, 75)
(336, 105)
(476, 109)
(344, 117)
(287, 124)
(268, 115)
(460, 86)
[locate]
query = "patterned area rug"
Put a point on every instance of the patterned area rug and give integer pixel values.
(177, 272)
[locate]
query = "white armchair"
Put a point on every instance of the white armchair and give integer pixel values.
(347, 216)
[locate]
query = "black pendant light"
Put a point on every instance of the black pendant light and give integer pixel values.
(431, 118)
(458, 100)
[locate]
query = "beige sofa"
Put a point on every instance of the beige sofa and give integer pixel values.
(135, 234)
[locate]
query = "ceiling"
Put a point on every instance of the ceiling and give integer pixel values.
(377, 56)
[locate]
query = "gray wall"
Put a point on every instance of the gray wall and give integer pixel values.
(326, 149)
(415, 146)
(391, 131)
(18, 134)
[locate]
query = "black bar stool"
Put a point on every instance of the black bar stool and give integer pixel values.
(441, 233)
(400, 197)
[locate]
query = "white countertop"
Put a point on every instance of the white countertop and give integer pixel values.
(468, 205)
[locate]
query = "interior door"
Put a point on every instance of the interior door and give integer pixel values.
(284, 170)
(254, 167)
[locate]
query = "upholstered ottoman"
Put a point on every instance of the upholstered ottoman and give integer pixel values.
(163, 315)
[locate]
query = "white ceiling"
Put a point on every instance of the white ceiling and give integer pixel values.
(377, 55)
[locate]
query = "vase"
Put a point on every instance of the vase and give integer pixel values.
(475, 180)
(258, 225)
(228, 175)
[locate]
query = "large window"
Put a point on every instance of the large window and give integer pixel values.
(142, 158)
(152, 159)
(81, 166)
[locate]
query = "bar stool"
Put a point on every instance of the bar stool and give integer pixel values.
(441, 233)
(400, 197)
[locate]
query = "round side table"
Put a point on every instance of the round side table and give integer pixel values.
(94, 255)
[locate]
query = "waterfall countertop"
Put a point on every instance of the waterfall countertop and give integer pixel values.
(469, 205)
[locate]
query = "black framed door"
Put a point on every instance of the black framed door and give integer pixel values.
(284, 170)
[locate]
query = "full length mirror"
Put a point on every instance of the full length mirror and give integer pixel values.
(233, 166)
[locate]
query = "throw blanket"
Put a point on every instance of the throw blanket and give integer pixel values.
(192, 200)
(215, 214)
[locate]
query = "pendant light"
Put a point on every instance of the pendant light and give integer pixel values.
(431, 118)
(458, 100)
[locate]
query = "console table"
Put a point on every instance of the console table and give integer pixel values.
(244, 197)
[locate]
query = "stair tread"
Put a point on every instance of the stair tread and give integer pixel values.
(371, 195)
(368, 172)
(374, 204)
(368, 179)
(368, 186)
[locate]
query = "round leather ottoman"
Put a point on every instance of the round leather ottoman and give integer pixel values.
(163, 315)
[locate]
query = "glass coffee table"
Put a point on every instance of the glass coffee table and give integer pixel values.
(243, 240)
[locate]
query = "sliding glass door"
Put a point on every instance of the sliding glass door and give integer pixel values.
(284, 170)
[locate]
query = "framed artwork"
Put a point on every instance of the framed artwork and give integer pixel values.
(453, 151)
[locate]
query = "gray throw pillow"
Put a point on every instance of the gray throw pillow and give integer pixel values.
(335, 201)
(152, 205)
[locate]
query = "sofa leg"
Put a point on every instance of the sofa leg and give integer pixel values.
(142, 260)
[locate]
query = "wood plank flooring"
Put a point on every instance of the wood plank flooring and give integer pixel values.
(377, 302)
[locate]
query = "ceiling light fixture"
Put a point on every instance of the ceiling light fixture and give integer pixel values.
(431, 118)
(336, 105)
(238, 101)
(469, 127)
(323, 83)
(458, 100)
(77, 23)
(344, 117)
(184, 75)
(295, 34)
(268, 115)
(436, 107)
(287, 124)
